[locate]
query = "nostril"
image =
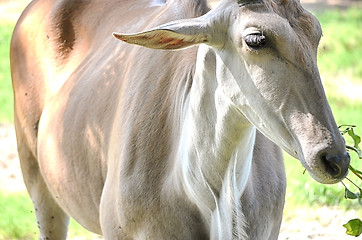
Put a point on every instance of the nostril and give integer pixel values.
(336, 166)
(332, 167)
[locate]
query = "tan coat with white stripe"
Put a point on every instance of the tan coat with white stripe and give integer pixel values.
(136, 143)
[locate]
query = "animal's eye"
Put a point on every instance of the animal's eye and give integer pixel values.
(255, 40)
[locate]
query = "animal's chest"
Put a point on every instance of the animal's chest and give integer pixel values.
(164, 215)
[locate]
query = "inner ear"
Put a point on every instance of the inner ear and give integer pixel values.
(161, 39)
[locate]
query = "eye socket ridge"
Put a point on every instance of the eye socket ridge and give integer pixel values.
(255, 40)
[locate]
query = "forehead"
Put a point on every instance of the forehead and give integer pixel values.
(290, 12)
(299, 18)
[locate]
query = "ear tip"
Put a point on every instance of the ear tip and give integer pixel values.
(118, 35)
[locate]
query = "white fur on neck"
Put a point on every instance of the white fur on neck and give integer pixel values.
(216, 152)
(229, 211)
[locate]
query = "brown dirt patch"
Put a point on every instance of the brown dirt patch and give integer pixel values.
(10, 174)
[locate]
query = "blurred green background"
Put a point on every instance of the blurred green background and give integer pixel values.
(340, 66)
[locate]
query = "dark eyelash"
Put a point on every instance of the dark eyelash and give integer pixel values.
(255, 40)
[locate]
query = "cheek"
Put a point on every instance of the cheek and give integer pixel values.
(272, 84)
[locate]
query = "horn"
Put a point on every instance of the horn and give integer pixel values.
(246, 2)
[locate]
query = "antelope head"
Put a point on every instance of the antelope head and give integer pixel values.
(268, 51)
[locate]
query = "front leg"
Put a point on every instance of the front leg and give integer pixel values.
(51, 219)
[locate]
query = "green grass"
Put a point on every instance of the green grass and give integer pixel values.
(17, 218)
(340, 49)
(339, 63)
(18, 221)
(6, 95)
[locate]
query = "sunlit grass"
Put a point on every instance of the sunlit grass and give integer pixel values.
(6, 95)
(341, 48)
(18, 221)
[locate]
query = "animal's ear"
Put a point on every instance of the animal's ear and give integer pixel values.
(176, 35)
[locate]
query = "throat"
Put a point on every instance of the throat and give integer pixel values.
(215, 155)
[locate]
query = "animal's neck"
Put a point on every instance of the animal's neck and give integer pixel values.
(216, 149)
